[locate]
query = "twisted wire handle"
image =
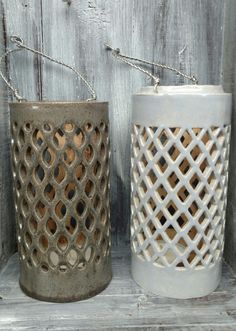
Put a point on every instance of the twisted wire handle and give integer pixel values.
(20, 44)
(125, 58)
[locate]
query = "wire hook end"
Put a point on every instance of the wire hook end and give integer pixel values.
(16, 40)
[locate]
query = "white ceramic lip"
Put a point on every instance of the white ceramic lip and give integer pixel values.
(182, 106)
(183, 90)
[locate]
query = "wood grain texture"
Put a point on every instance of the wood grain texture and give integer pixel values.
(183, 33)
(229, 83)
(7, 223)
(122, 306)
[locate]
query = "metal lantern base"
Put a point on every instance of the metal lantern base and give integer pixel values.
(58, 287)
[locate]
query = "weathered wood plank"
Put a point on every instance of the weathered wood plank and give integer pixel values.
(123, 306)
(229, 82)
(7, 226)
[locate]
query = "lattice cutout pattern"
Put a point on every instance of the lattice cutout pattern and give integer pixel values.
(179, 186)
(61, 194)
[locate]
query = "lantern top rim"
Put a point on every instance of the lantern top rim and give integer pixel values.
(183, 90)
(63, 103)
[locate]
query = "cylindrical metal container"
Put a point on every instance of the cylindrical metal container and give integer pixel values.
(60, 160)
(180, 150)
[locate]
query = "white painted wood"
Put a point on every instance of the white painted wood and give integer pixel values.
(185, 34)
(122, 306)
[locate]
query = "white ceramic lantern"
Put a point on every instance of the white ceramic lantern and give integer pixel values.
(180, 150)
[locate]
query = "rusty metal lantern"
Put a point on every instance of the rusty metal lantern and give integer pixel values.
(60, 164)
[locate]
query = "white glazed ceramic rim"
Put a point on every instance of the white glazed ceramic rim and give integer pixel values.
(189, 106)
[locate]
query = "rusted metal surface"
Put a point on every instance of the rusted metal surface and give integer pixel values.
(60, 163)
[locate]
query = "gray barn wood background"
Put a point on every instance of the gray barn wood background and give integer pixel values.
(191, 35)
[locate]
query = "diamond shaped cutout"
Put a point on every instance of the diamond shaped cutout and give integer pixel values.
(143, 214)
(152, 150)
(33, 225)
(204, 166)
(193, 209)
(102, 151)
(31, 192)
(183, 194)
(60, 209)
(43, 243)
(51, 226)
(152, 177)
(90, 222)
(143, 162)
(97, 202)
(171, 207)
(204, 194)
(59, 139)
(152, 228)
(163, 138)
(184, 166)
(30, 155)
(54, 258)
(48, 156)
(70, 190)
(62, 243)
(194, 181)
(39, 173)
(69, 156)
(186, 139)
(80, 172)
(173, 152)
(161, 217)
(38, 139)
(81, 240)
(71, 225)
(21, 138)
(59, 173)
(88, 153)
(162, 192)
(182, 221)
(40, 209)
(103, 216)
(72, 257)
(195, 152)
(162, 164)
(23, 172)
(206, 138)
(89, 189)
(78, 138)
(49, 192)
(173, 179)
(96, 136)
(144, 136)
(151, 203)
(181, 245)
(192, 233)
(143, 188)
(80, 208)
(171, 232)
(97, 169)
(149, 251)
(202, 219)
(191, 257)
(141, 237)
